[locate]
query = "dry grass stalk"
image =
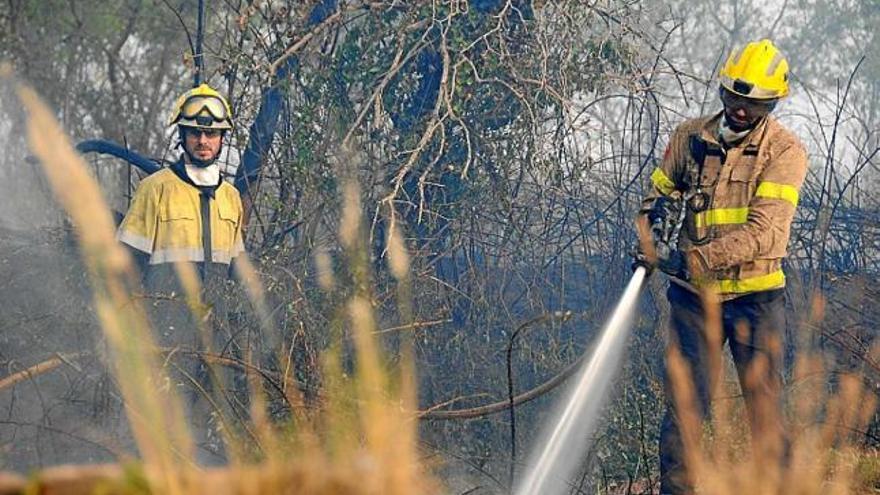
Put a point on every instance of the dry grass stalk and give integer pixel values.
(154, 412)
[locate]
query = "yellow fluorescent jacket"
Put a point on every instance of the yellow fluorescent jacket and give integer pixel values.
(165, 221)
(754, 191)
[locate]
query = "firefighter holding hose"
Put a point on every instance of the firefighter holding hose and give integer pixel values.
(717, 221)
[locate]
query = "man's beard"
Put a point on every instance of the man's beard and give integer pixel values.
(739, 127)
(199, 162)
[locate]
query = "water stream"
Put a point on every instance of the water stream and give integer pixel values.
(561, 449)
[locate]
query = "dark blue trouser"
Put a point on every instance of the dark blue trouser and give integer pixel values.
(754, 326)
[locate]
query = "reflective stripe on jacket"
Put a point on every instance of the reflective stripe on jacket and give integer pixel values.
(753, 190)
(165, 221)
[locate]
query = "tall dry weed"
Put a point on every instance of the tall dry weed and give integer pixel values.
(154, 411)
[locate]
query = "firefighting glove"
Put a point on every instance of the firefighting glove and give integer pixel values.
(641, 260)
(676, 265)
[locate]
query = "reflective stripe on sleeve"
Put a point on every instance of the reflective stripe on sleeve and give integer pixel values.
(194, 255)
(223, 256)
(775, 190)
(173, 255)
(237, 248)
(662, 182)
(722, 216)
(138, 242)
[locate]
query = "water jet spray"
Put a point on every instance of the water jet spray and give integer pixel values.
(560, 449)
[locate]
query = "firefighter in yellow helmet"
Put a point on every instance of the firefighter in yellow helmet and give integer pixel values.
(717, 221)
(187, 212)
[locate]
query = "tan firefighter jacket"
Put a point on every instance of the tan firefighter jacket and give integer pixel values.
(171, 220)
(752, 190)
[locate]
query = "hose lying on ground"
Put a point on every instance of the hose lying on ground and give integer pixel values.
(431, 413)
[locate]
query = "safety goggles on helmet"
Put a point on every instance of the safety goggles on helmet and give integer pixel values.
(198, 106)
(202, 107)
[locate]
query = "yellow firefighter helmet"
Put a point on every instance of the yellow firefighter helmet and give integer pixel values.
(202, 107)
(758, 70)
